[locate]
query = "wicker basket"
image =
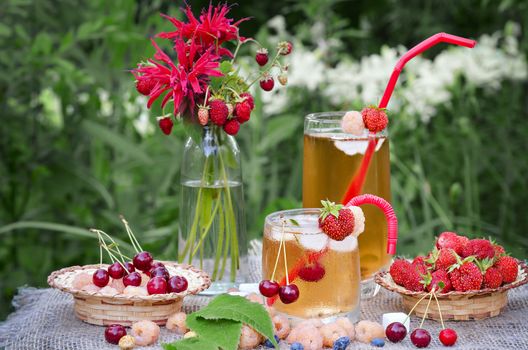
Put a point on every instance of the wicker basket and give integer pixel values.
(98, 309)
(457, 306)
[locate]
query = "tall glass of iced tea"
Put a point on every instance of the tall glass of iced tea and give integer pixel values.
(331, 159)
(329, 283)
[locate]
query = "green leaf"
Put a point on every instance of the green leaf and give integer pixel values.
(226, 67)
(295, 222)
(239, 309)
(191, 344)
(224, 333)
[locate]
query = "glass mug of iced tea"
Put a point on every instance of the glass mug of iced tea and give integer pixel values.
(331, 159)
(319, 272)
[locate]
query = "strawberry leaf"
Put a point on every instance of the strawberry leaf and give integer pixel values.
(191, 344)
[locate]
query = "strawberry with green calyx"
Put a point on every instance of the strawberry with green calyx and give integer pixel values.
(465, 275)
(492, 277)
(336, 220)
(439, 280)
(508, 268)
(443, 258)
(375, 118)
(481, 248)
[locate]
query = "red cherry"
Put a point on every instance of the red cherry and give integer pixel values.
(157, 264)
(420, 338)
(312, 272)
(177, 284)
(114, 333)
(396, 332)
(268, 288)
(448, 336)
(289, 293)
(261, 57)
(116, 271)
(132, 279)
(130, 267)
(267, 83)
(159, 272)
(100, 278)
(157, 285)
(143, 261)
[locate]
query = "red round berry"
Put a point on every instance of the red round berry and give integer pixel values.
(268, 288)
(157, 285)
(157, 264)
(375, 119)
(312, 272)
(243, 111)
(166, 125)
(289, 293)
(132, 279)
(218, 112)
(231, 127)
(396, 332)
(145, 86)
(159, 272)
(249, 99)
(100, 278)
(116, 271)
(130, 267)
(143, 261)
(262, 56)
(114, 332)
(285, 48)
(177, 284)
(267, 83)
(448, 336)
(420, 338)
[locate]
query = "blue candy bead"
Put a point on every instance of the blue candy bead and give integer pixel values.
(341, 343)
(296, 346)
(269, 344)
(379, 342)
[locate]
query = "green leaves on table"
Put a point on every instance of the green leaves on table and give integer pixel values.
(219, 324)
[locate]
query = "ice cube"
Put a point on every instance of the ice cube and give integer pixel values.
(347, 245)
(277, 234)
(356, 146)
(359, 220)
(391, 317)
(315, 242)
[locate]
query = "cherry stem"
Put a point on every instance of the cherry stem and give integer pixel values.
(427, 307)
(267, 70)
(414, 307)
(131, 236)
(439, 310)
(278, 254)
(103, 245)
(285, 261)
(114, 243)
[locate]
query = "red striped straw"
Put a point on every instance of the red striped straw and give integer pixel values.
(356, 185)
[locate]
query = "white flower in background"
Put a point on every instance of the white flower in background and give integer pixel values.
(107, 106)
(306, 68)
(143, 124)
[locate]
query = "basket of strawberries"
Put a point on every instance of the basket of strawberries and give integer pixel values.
(470, 277)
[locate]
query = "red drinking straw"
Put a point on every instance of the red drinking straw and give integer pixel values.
(358, 180)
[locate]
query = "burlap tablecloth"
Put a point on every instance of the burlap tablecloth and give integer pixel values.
(44, 319)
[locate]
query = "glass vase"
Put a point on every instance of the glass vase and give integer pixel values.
(212, 219)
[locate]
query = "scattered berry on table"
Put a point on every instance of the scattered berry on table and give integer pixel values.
(341, 343)
(116, 270)
(157, 285)
(368, 330)
(269, 344)
(268, 288)
(396, 332)
(312, 272)
(143, 261)
(262, 56)
(481, 248)
(145, 332)
(100, 278)
(331, 332)
(128, 342)
(448, 336)
(307, 334)
(378, 342)
(281, 324)
(375, 119)
(508, 267)
(218, 112)
(132, 279)
(231, 127)
(114, 332)
(296, 346)
(420, 338)
(267, 83)
(177, 284)
(347, 325)
(177, 323)
(165, 125)
(336, 220)
(289, 293)
(249, 338)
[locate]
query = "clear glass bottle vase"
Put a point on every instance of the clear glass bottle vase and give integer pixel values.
(212, 218)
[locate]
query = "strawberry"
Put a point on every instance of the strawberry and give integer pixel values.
(399, 271)
(243, 111)
(262, 56)
(166, 125)
(414, 281)
(508, 268)
(499, 250)
(446, 258)
(437, 278)
(231, 127)
(375, 118)
(218, 112)
(247, 97)
(481, 248)
(285, 48)
(203, 115)
(145, 86)
(283, 79)
(492, 278)
(420, 265)
(336, 220)
(312, 272)
(450, 240)
(267, 82)
(465, 275)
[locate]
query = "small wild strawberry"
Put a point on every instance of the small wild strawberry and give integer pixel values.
(203, 115)
(166, 125)
(283, 79)
(145, 86)
(508, 267)
(336, 220)
(262, 56)
(375, 119)
(243, 111)
(218, 112)
(231, 127)
(267, 82)
(247, 97)
(285, 47)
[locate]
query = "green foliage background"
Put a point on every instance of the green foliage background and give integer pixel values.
(66, 166)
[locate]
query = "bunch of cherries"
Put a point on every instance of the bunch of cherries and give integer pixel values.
(160, 281)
